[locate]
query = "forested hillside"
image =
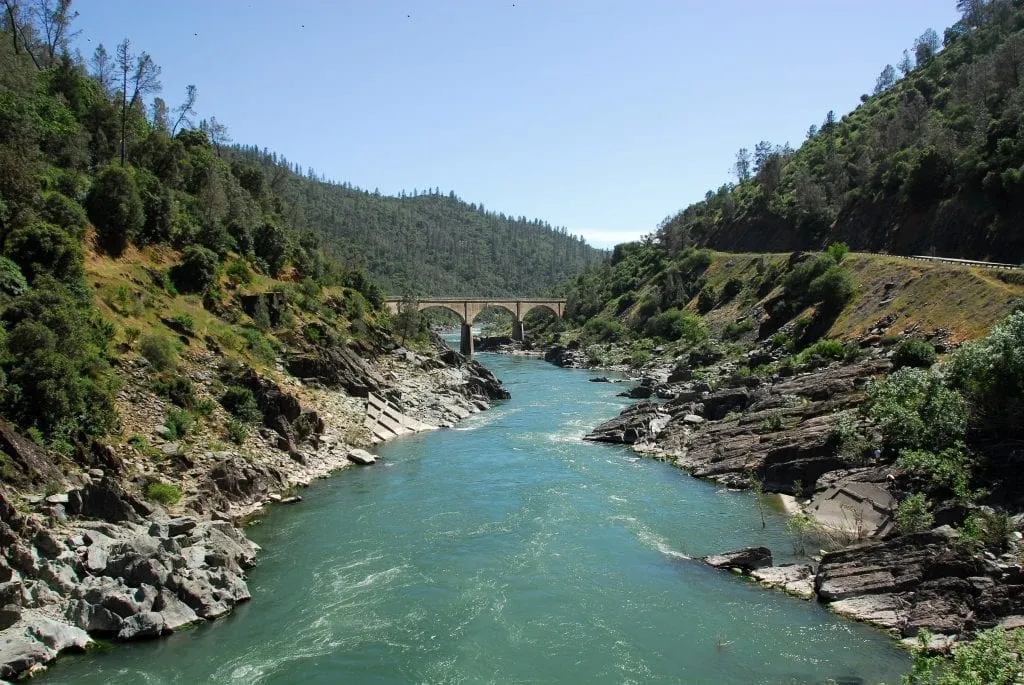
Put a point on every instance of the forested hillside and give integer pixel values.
(427, 242)
(931, 163)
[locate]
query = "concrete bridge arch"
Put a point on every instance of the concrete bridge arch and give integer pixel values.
(468, 308)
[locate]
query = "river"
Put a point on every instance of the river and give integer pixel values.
(508, 550)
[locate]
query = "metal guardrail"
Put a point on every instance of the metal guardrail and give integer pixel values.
(962, 262)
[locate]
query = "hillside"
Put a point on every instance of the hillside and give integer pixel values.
(929, 164)
(427, 243)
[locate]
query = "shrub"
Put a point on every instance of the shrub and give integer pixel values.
(197, 271)
(837, 251)
(833, 288)
(735, 329)
(237, 432)
(992, 658)
(914, 410)
(990, 372)
(241, 403)
(914, 514)
(732, 288)
(177, 389)
(57, 375)
(115, 209)
(12, 281)
(677, 325)
(707, 298)
(160, 351)
(184, 321)
(801, 275)
(61, 210)
(822, 350)
(772, 423)
(178, 423)
(239, 272)
(604, 329)
(913, 353)
(164, 493)
(949, 469)
(42, 248)
(258, 345)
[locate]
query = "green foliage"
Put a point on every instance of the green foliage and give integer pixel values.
(164, 493)
(62, 211)
(238, 272)
(41, 248)
(837, 251)
(732, 288)
(258, 345)
(992, 658)
(197, 271)
(822, 350)
(990, 372)
(178, 423)
(913, 353)
(675, 325)
(57, 376)
(12, 281)
(914, 514)
(735, 329)
(184, 321)
(915, 410)
(772, 423)
(833, 288)
(707, 298)
(160, 350)
(237, 432)
(177, 389)
(115, 208)
(991, 528)
(604, 329)
(947, 470)
(241, 403)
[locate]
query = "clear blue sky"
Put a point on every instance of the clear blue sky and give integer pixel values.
(603, 116)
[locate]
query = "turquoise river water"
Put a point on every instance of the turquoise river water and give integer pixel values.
(507, 550)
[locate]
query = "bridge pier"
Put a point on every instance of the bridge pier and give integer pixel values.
(466, 343)
(517, 330)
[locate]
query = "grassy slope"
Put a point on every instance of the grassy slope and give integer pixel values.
(965, 300)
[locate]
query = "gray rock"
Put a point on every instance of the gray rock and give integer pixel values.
(361, 457)
(9, 615)
(176, 614)
(747, 559)
(93, 618)
(145, 625)
(37, 640)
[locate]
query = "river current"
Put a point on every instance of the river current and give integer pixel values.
(507, 550)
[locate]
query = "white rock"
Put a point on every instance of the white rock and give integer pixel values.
(361, 457)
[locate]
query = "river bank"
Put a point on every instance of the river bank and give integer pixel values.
(94, 555)
(510, 550)
(798, 434)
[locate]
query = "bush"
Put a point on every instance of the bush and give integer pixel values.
(914, 514)
(604, 329)
(12, 281)
(115, 209)
(62, 211)
(677, 325)
(237, 432)
(833, 288)
(164, 493)
(178, 423)
(241, 403)
(992, 658)
(258, 345)
(57, 375)
(949, 469)
(42, 248)
(837, 251)
(160, 351)
(914, 410)
(197, 271)
(735, 329)
(177, 389)
(822, 350)
(707, 298)
(801, 275)
(990, 372)
(913, 353)
(732, 288)
(239, 272)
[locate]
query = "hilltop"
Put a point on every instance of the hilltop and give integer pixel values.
(930, 163)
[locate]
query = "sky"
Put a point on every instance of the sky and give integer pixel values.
(603, 116)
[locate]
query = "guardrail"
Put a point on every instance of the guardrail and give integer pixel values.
(962, 262)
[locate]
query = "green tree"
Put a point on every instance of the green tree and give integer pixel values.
(115, 208)
(42, 248)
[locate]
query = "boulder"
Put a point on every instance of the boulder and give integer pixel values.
(361, 457)
(337, 367)
(747, 559)
(239, 479)
(142, 626)
(641, 422)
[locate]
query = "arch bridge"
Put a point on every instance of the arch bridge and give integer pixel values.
(468, 308)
